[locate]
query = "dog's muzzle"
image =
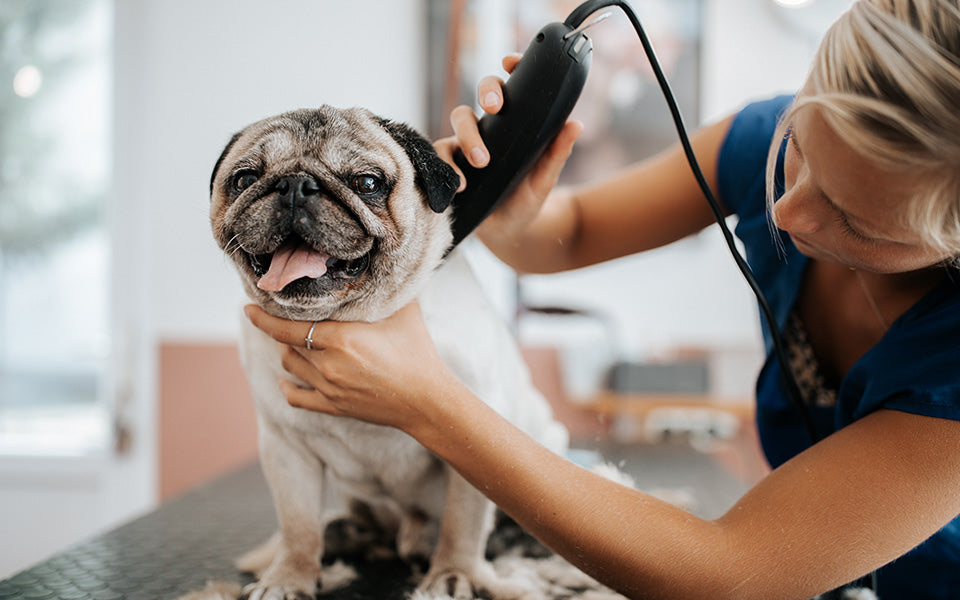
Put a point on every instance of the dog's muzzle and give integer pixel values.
(297, 256)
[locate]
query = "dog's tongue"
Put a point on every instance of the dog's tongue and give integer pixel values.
(291, 262)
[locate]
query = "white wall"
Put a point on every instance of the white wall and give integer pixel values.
(752, 50)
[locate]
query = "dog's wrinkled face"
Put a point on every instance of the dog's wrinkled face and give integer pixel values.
(331, 213)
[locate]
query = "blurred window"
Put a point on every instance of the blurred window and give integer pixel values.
(55, 162)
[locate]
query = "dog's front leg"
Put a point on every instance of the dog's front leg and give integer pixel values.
(458, 567)
(295, 477)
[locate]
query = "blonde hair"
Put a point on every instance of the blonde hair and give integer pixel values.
(887, 79)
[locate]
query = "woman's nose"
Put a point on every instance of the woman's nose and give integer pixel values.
(794, 213)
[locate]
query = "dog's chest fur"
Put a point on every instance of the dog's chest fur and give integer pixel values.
(369, 460)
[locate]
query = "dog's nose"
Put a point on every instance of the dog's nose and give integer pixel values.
(296, 188)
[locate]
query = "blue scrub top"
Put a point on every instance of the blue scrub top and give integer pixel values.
(915, 368)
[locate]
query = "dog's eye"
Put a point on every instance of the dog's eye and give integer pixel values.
(244, 179)
(366, 185)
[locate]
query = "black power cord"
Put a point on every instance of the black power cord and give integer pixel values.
(576, 18)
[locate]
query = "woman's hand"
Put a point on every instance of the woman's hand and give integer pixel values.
(384, 372)
(510, 220)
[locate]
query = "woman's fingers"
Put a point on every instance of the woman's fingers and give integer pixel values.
(300, 366)
(379, 372)
(464, 124)
(292, 333)
(309, 399)
(490, 94)
(310, 335)
(445, 148)
(545, 173)
(510, 61)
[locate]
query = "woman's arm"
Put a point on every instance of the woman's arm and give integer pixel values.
(648, 205)
(855, 501)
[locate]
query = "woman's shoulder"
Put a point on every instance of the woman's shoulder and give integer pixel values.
(755, 123)
(767, 109)
(741, 163)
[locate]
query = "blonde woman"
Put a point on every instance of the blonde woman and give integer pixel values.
(860, 268)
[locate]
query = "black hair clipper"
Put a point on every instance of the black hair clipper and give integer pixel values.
(537, 99)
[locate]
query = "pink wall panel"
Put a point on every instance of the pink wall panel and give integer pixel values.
(206, 417)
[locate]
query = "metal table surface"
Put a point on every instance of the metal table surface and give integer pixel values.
(179, 547)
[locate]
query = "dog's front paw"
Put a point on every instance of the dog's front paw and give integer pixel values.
(261, 591)
(478, 581)
(448, 582)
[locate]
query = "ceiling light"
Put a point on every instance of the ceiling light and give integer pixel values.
(27, 81)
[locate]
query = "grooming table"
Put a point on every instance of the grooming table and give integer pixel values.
(181, 546)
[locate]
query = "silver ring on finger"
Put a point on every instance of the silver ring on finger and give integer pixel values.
(309, 338)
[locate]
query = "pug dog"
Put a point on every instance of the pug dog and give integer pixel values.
(340, 214)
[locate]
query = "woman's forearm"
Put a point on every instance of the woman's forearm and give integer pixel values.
(815, 523)
(637, 544)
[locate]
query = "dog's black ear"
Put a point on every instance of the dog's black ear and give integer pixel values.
(223, 155)
(435, 177)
